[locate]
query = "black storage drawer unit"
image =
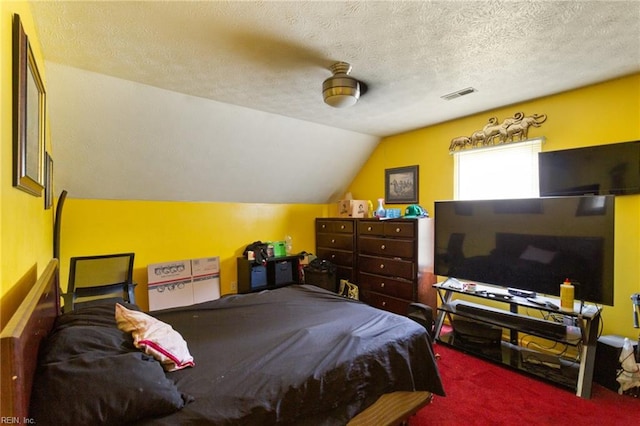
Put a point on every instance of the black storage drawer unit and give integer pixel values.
(273, 273)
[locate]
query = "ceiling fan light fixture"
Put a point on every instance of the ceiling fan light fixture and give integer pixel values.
(341, 90)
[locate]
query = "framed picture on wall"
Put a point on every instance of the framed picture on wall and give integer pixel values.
(29, 115)
(401, 185)
(48, 181)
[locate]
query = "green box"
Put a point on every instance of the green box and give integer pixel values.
(279, 248)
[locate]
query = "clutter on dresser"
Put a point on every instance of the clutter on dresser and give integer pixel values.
(380, 211)
(348, 207)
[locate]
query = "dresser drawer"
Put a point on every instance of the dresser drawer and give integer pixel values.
(387, 303)
(386, 247)
(335, 241)
(403, 229)
(343, 258)
(334, 226)
(386, 266)
(394, 287)
(370, 227)
(396, 228)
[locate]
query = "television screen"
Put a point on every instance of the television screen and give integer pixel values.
(599, 170)
(530, 244)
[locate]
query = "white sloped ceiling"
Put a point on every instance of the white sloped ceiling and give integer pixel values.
(116, 139)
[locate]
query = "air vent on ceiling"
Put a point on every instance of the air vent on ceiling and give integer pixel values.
(458, 93)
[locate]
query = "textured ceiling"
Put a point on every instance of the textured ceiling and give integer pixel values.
(273, 56)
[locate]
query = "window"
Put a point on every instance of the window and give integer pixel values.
(503, 171)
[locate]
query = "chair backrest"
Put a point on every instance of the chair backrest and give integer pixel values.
(94, 276)
(58, 224)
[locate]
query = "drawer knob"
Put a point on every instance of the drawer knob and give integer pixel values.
(369, 228)
(383, 247)
(397, 230)
(382, 266)
(384, 303)
(381, 285)
(333, 241)
(324, 226)
(342, 227)
(333, 256)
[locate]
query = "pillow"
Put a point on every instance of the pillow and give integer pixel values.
(68, 342)
(156, 338)
(539, 255)
(96, 388)
(92, 313)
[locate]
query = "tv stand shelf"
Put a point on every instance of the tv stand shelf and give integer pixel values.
(477, 328)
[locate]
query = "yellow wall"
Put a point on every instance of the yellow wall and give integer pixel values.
(164, 231)
(158, 231)
(26, 228)
(598, 114)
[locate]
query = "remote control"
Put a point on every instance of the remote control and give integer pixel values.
(543, 303)
(536, 302)
(552, 306)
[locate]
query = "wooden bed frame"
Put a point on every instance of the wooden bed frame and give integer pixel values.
(20, 340)
(34, 318)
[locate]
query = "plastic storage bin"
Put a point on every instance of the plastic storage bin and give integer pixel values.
(258, 276)
(283, 272)
(279, 248)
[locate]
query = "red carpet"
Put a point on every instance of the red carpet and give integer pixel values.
(483, 393)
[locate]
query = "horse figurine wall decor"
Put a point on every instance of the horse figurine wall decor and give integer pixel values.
(495, 132)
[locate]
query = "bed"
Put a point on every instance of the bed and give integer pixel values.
(295, 355)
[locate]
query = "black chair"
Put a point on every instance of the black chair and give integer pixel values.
(96, 277)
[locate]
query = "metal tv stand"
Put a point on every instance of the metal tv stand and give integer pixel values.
(478, 328)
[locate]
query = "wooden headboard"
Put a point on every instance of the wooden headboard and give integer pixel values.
(20, 340)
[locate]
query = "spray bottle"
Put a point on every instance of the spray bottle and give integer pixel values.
(566, 296)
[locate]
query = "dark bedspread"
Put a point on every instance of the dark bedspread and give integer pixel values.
(296, 355)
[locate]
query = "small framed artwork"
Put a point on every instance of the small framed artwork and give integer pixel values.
(48, 181)
(29, 115)
(401, 185)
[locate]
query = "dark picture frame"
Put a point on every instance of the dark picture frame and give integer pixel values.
(29, 102)
(48, 181)
(401, 185)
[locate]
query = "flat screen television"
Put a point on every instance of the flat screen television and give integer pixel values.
(599, 170)
(531, 244)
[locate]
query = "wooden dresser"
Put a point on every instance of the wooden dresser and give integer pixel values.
(391, 261)
(336, 242)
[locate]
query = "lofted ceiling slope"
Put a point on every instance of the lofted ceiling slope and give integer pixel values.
(271, 57)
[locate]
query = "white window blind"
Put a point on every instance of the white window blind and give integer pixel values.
(503, 171)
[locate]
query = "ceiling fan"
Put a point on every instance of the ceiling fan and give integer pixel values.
(341, 90)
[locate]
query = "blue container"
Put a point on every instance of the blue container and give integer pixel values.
(258, 276)
(284, 272)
